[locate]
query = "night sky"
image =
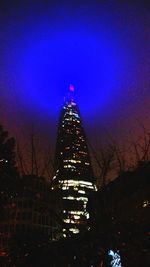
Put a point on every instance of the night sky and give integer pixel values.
(101, 47)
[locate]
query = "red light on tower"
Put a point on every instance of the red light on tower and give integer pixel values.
(71, 88)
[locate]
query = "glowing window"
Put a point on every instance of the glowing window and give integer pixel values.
(145, 203)
(74, 230)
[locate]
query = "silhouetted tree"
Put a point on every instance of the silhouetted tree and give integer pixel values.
(8, 171)
(7, 154)
(141, 146)
(103, 158)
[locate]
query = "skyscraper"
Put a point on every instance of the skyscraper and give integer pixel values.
(73, 172)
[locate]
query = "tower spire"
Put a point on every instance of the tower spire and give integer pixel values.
(71, 92)
(71, 88)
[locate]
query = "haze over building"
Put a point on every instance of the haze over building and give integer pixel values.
(73, 172)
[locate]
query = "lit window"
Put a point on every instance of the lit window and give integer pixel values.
(145, 203)
(74, 230)
(76, 212)
(76, 217)
(65, 187)
(81, 191)
(69, 166)
(72, 160)
(3, 160)
(66, 220)
(69, 197)
(87, 215)
(84, 199)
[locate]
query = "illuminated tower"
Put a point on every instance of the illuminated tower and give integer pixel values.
(73, 172)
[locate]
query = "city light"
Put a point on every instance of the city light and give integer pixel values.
(115, 258)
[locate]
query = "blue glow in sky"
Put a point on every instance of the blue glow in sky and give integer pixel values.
(102, 49)
(49, 54)
(75, 56)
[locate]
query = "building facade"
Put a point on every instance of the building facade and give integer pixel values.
(73, 172)
(28, 211)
